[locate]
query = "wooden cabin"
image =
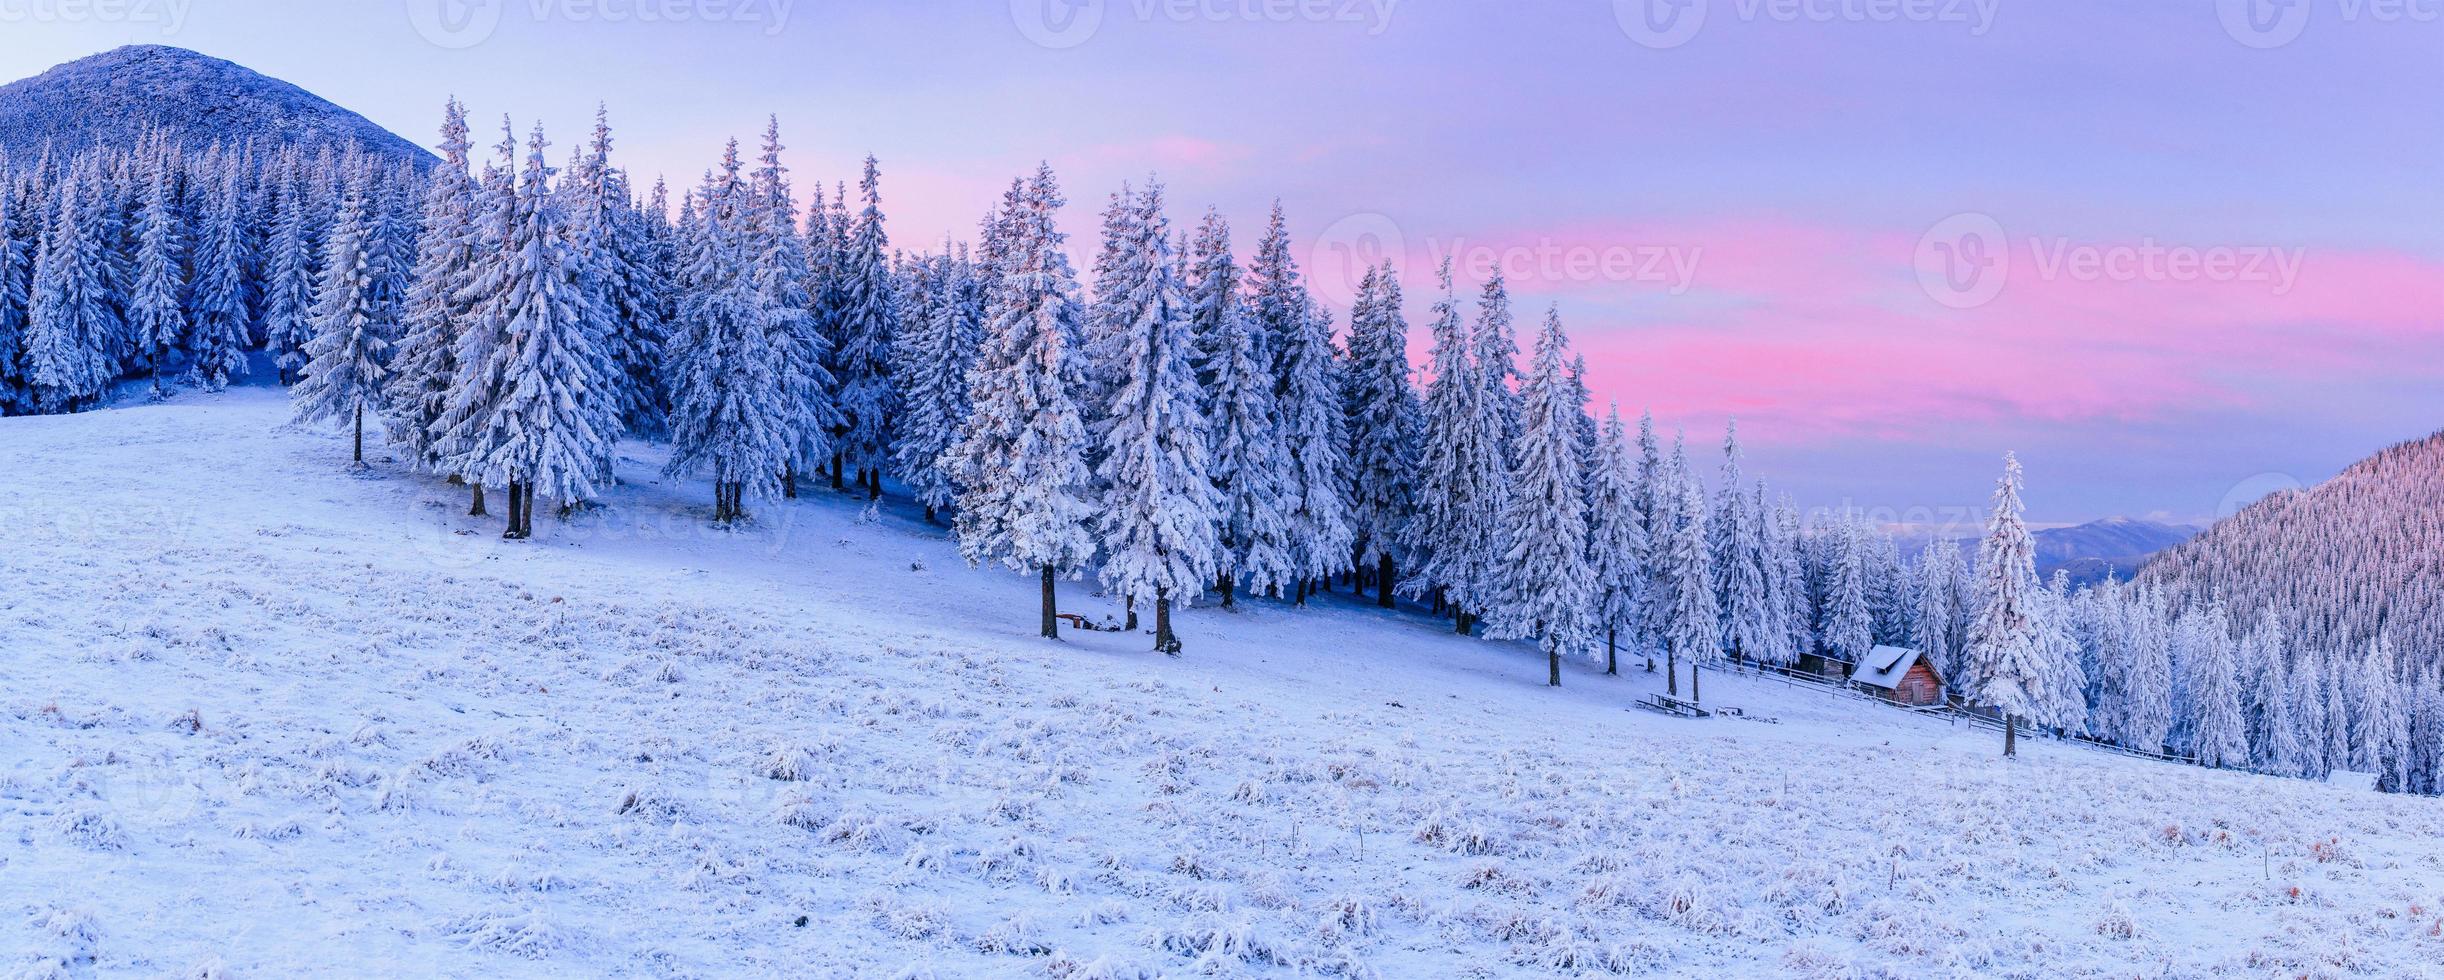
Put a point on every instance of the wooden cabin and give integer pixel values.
(1901, 676)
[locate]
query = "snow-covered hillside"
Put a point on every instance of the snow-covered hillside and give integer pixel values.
(260, 716)
(111, 99)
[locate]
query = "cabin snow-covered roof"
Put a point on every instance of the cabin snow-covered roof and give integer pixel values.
(1883, 667)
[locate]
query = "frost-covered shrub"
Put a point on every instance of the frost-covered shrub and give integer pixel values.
(788, 763)
(526, 934)
(91, 829)
(1212, 940)
(1013, 936)
(2117, 922)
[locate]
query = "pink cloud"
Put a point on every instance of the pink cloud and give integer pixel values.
(1816, 331)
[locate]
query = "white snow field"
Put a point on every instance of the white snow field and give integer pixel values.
(262, 717)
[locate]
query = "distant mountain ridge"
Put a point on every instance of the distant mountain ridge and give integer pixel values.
(2114, 546)
(2351, 559)
(114, 97)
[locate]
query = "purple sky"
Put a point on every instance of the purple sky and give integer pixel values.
(2171, 254)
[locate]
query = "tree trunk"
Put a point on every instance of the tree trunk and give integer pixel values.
(1052, 625)
(789, 482)
(1129, 604)
(840, 469)
(1228, 588)
(360, 435)
(1383, 582)
(929, 515)
(1612, 651)
(1671, 673)
(2011, 736)
(874, 484)
(1163, 640)
(477, 510)
(1552, 660)
(1695, 669)
(515, 499)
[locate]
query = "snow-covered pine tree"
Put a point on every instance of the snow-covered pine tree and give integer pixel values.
(1938, 565)
(1693, 626)
(1316, 442)
(1787, 581)
(158, 310)
(1245, 460)
(16, 258)
(623, 278)
(869, 318)
(216, 310)
(2380, 729)
(1385, 420)
(348, 357)
(2145, 714)
(424, 365)
(778, 267)
(2265, 686)
(2066, 699)
(1021, 460)
(1497, 354)
(1616, 542)
(1737, 540)
(1550, 588)
(935, 349)
(70, 323)
(538, 430)
(1159, 506)
(1655, 507)
(1848, 626)
(290, 270)
(730, 416)
(2218, 726)
(2308, 720)
(2283, 754)
(1463, 479)
(2341, 712)
(2014, 673)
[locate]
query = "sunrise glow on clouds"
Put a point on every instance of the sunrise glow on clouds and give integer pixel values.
(1763, 191)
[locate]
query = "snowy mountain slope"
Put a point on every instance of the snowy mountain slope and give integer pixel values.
(264, 715)
(2345, 561)
(112, 97)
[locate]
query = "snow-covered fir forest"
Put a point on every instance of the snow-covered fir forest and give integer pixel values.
(1183, 425)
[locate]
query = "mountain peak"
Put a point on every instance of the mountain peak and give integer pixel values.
(112, 97)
